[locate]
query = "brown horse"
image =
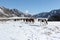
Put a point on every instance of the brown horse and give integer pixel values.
(28, 20)
(43, 20)
(31, 20)
(24, 20)
(46, 21)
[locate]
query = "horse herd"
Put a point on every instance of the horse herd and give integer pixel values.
(31, 20)
(25, 20)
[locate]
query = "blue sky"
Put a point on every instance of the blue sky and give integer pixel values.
(33, 6)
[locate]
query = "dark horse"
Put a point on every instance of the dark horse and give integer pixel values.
(28, 20)
(43, 20)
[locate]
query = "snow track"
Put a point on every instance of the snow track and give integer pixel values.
(17, 30)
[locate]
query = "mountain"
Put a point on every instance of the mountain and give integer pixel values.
(6, 12)
(53, 15)
(42, 15)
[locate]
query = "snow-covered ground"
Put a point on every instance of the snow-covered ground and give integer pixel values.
(18, 30)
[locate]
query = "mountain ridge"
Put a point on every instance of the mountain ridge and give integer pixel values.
(53, 15)
(6, 12)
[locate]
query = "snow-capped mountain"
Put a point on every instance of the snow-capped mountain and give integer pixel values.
(6, 12)
(53, 15)
(42, 15)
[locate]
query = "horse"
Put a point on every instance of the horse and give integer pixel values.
(28, 20)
